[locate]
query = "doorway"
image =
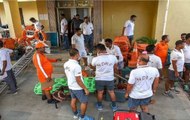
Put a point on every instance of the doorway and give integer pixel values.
(69, 15)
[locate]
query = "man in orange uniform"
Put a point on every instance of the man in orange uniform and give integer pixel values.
(161, 49)
(44, 71)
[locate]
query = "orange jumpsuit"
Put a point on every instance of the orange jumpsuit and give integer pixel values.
(162, 51)
(43, 66)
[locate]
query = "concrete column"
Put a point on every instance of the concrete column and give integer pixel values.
(98, 20)
(52, 15)
(13, 17)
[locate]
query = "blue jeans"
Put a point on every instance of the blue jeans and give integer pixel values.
(65, 40)
(11, 80)
(88, 39)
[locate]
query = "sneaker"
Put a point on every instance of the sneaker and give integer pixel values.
(44, 97)
(115, 108)
(168, 94)
(17, 88)
(13, 93)
(51, 101)
(86, 118)
(175, 90)
(99, 107)
(77, 116)
(186, 88)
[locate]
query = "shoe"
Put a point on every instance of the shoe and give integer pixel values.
(186, 88)
(99, 107)
(51, 101)
(77, 116)
(44, 97)
(175, 90)
(17, 88)
(13, 93)
(168, 94)
(114, 108)
(86, 118)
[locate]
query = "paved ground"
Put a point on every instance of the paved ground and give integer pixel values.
(28, 106)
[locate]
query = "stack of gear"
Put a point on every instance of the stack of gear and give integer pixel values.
(58, 82)
(30, 34)
(9, 43)
(139, 46)
(123, 43)
(134, 56)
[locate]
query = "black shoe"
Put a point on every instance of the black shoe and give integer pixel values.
(44, 97)
(13, 93)
(51, 101)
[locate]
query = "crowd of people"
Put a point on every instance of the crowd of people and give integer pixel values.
(143, 80)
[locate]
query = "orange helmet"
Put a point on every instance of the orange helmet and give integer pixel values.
(40, 45)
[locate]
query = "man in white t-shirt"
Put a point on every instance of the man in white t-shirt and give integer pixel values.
(64, 32)
(175, 70)
(114, 50)
(154, 60)
(186, 51)
(128, 29)
(105, 65)
(77, 41)
(142, 84)
(75, 83)
(183, 37)
(38, 28)
(6, 68)
(87, 29)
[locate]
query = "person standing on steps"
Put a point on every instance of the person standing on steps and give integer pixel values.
(129, 27)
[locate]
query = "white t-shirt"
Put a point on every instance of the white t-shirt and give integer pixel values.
(104, 66)
(79, 42)
(87, 28)
(64, 23)
(179, 56)
(5, 56)
(154, 61)
(115, 50)
(186, 51)
(142, 79)
(38, 26)
(129, 28)
(72, 70)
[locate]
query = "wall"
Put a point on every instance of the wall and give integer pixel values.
(2, 14)
(115, 13)
(29, 10)
(178, 20)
